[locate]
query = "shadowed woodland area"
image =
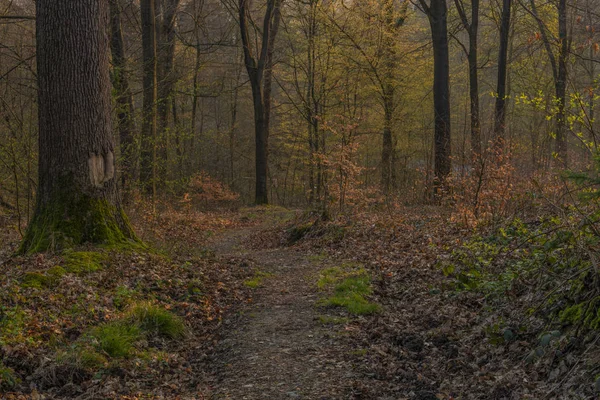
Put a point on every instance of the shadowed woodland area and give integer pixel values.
(299, 199)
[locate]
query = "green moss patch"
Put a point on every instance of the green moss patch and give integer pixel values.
(41, 279)
(70, 220)
(351, 289)
(82, 262)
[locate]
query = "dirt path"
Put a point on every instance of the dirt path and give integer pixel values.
(277, 348)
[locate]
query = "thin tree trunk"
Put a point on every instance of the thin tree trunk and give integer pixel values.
(165, 80)
(472, 28)
(388, 89)
(561, 85)
(148, 153)
(124, 99)
(500, 108)
(78, 199)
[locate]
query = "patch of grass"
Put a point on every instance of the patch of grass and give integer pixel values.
(154, 320)
(351, 287)
(82, 262)
(333, 275)
(116, 339)
(257, 280)
(8, 378)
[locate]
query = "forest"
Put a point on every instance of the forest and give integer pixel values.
(299, 199)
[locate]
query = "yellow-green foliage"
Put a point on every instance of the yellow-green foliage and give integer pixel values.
(351, 286)
(154, 320)
(257, 280)
(586, 314)
(82, 262)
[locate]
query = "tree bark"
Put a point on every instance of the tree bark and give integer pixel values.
(388, 91)
(165, 78)
(437, 13)
(148, 153)
(124, 98)
(257, 65)
(78, 198)
(561, 85)
(472, 28)
(500, 108)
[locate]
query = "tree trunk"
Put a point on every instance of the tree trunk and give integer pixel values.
(258, 66)
(561, 85)
(261, 138)
(500, 109)
(124, 99)
(78, 199)
(473, 29)
(165, 79)
(437, 13)
(388, 91)
(148, 154)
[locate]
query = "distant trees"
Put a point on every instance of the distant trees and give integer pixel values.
(558, 62)
(338, 101)
(148, 157)
(123, 99)
(77, 199)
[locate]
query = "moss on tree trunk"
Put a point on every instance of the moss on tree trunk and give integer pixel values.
(67, 222)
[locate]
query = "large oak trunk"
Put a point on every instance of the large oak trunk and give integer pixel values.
(78, 200)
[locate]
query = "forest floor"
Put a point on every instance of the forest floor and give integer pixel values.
(280, 305)
(277, 347)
